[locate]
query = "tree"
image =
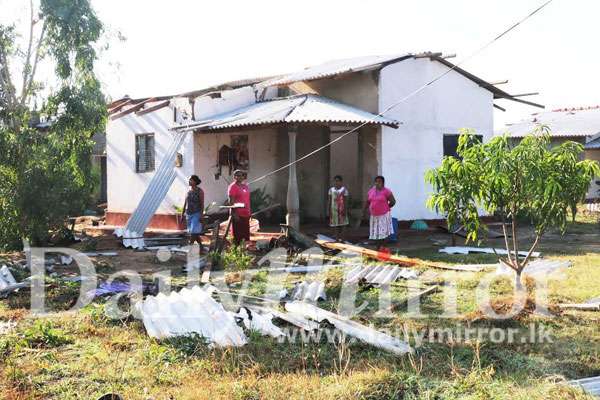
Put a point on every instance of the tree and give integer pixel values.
(45, 175)
(530, 181)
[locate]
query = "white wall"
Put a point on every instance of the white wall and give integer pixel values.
(125, 186)
(452, 103)
(262, 149)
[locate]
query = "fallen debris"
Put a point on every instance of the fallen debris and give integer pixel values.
(486, 250)
(330, 243)
(590, 305)
(293, 319)
(190, 311)
(7, 327)
(466, 267)
(261, 323)
(589, 385)
(8, 282)
(379, 275)
(418, 296)
(309, 291)
(349, 327)
(536, 268)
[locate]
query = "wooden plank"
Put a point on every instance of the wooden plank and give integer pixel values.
(118, 103)
(153, 108)
(377, 255)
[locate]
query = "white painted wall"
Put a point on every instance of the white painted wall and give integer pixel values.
(262, 149)
(450, 104)
(125, 186)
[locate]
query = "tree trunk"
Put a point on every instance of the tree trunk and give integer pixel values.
(518, 283)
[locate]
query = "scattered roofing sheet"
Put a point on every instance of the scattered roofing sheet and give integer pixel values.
(305, 108)
(8, 282)
(350, 328)
(309, 291)
(296, 320)
(379, 275)
(487, 250)
(536, 267)
(259, 322)
(589, 385)
(568, 122)
(190, 311)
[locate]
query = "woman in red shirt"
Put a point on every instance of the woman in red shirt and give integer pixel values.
(238, 192)
(380, 200)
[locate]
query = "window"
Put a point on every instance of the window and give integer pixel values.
(144, 152)
(451, 144)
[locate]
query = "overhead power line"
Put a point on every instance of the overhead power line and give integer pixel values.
(415, 92)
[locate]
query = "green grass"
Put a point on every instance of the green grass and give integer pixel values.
(85, 355)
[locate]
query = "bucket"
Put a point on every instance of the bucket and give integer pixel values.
(394, 236)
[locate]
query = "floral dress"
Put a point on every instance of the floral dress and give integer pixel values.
(338, 212)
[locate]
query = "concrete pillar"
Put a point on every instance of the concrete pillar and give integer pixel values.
(293, 199)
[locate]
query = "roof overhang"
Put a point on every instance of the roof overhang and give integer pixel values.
(300, 109)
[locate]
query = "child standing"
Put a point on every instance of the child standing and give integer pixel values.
(337, 209)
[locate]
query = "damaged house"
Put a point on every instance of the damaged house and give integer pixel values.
(263, 124)
(577, 124)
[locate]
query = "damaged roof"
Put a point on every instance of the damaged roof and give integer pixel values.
(356, 64)
(305, 108)
(563, 122)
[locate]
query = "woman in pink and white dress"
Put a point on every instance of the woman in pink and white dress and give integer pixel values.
(380, 200)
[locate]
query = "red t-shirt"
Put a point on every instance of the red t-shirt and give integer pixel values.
(240, 194)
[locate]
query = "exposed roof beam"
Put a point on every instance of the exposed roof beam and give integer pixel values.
(121, 105)
(499, 108)
(499, 82)
(132, 109)
(526, 94)
(529, 103)
(153, 108)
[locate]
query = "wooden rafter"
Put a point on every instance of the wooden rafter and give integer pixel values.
(132, 109)
(119, 106)
(153, 108)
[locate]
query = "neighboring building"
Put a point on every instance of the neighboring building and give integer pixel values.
(265, 123)
(580, 125)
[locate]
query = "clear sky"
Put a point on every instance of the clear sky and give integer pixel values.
(180, 45)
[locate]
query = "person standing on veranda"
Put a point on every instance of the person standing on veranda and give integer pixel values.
(239, 192)
(337, 207)
(380, 201)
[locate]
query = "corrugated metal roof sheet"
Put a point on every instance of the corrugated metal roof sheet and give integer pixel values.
(589, 385)
(380, 275)
(155, 193)
(349, 327)
(304, 108)
(593, 145)
(309, 291)
(562, 123)
(190, 311)
(336, 67)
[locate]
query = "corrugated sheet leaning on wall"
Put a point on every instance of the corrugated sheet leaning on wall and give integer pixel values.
(155, 193)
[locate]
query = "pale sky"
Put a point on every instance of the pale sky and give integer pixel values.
(180, 45)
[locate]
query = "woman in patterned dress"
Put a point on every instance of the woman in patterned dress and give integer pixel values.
(380, 200)
(337, 210)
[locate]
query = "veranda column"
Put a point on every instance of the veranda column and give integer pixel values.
(293, 200)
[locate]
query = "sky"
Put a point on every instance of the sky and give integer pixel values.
(181, 45)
